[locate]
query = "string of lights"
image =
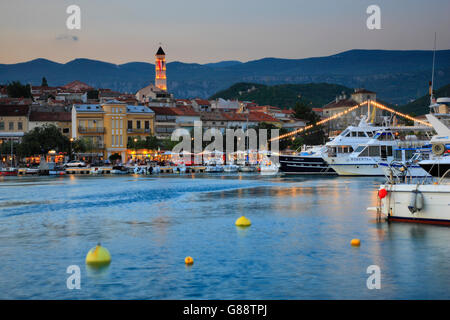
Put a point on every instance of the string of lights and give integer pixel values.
(318, 123)
(383, 107)
(340, 114)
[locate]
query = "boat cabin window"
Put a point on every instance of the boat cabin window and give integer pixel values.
(345, 149)
(361, 134)
(365, 152)
(359, 148)
(344, 133)
(409, 153)
(376, 151)
(384, 136)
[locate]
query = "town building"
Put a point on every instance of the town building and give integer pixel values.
(156, 95)
(13, 121)
(160, 70)
(61, 119)
(108, 126)
(3, 91)
(201, 105)
(343, 102)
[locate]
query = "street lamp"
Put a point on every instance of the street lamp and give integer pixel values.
(135, 148)
(70, 156)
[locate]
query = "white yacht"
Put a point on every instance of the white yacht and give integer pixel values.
(424, 201)
(311, 160)
(268, 168)
(212, 166)
(405, 162)
(439, 117)
(364, 160)
(231, 167)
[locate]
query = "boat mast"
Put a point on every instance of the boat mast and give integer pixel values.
(432, 72)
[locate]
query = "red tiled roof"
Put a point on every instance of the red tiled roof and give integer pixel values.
(164, 111)
(341, 104)
(185, 111)
(14, 110)
(256, 108)
(77, 86)
(261, 117)
(203, 102)
(50, 116)
(15, 101)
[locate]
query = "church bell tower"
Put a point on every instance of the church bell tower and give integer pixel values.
(160, 70)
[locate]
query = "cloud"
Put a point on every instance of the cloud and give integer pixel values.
(66, 37)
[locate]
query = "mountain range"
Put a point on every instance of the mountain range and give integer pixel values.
(397, 76)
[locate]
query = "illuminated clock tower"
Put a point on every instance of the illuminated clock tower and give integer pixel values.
(160, 70)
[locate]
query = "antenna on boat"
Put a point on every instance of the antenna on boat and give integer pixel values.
(432, 72)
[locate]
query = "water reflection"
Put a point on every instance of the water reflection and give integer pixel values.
(298, 246)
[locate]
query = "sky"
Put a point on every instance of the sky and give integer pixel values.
(203, 31)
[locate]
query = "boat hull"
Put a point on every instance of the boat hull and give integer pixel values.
(436, 203)
(304, 165)
(358, 169)
(413, 170)
(436, 170)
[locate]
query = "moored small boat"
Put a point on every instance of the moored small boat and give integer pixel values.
(8, 171)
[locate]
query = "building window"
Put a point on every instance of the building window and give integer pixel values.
(147, 125)
(11, 126)
(2, 125)
(66, 130)
(130, 124)
(19, 126)
(138, 124)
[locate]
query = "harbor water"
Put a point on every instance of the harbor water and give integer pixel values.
(298, 246)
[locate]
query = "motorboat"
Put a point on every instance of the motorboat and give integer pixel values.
(364, 160)
(230, 168)
(213, 167)
(424, 201)
(9, 171)
(405, 162)
(311, 159)
(268, 168)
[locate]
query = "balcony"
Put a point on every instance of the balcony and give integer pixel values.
(136, 130)
(91, 130)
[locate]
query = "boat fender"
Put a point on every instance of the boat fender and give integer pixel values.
(419, 201)
(416, 201)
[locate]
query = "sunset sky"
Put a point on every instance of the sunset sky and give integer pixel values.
(204, 31)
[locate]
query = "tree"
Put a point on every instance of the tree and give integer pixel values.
(44, 82)
(315, 135)
(17, 90)
(42, 139)
(283, 143)
(302, 111)
(114, 157)
(150, 142)
(92, 94)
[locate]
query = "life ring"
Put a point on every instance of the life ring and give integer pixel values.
(438, 149)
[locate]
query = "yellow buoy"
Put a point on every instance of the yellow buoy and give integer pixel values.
(243, 222)
(355, 242)
(98, 256)
(188, 260)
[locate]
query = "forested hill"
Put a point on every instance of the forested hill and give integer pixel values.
(284, 95)
(420, 106)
